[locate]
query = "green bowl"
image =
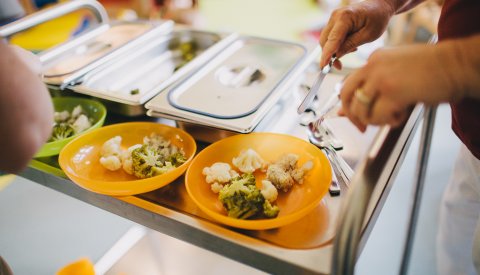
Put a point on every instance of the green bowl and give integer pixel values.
(94, 110)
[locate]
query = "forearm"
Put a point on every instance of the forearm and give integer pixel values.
(408, 5)
(399, 6)
(470, 62)
(461, 60)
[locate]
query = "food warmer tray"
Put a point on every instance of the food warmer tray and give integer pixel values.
(126, 84)
(123, 63)
(238, 87)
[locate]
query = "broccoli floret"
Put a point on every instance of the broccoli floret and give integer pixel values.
(245, 179)
(62, 131)
(149, 161)
(242, 199)
(176, 159)
(145, 160)
(269, 210)
(68, 124)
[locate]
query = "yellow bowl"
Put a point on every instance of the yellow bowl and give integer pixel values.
(94, 110)
(80, 158)
(294, 204)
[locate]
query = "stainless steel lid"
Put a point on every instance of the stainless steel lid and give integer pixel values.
(238, 86)
(66, 63)
(153, 66)
(72, 63)
(238, 80)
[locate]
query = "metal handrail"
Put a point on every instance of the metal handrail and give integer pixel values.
(420, 173)
(349, 238)
(54, 12)
(388, 148)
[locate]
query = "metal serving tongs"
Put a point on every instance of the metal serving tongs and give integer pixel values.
(319, 135)
(329, 109)
(341, 169)
(307, 101)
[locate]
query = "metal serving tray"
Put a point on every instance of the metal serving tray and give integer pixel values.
(209, 134)
(67, 63)
(70, 64)
(239, 79)
(236, 89)
(135, 78)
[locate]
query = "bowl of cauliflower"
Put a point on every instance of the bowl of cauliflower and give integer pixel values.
(73, 116)
(258, 181)
(128, 158)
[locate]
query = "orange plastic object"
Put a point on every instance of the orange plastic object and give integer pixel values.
(294, 204)
(80, 159)
(81, 267)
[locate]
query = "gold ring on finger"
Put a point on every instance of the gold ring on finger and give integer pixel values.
(362, 97)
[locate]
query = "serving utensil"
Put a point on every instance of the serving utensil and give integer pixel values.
(342, 171)
(307, 101)
(329, 109)
(334, 188)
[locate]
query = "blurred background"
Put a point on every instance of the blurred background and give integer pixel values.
(300, 20)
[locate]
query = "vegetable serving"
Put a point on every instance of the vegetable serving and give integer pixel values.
(67, 124)
(155, 156)
(240, 194)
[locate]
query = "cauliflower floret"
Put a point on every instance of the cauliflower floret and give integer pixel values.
(112, 147)
(269, 191)
(81, 124)
(111, 162)
(248, 161)
(127, 158)
(77, 111)
(280, 177)
(284, 172)
(299, 173)
(280, 172)
(155, 140)
(288, 161)
(61, 116)
(216, 187)
(219, 172)
(111, 153)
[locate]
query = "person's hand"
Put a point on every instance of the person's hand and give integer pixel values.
(352, 26)
(28, 58)
(26, 109)
(393, 80)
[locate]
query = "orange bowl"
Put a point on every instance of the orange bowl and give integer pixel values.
(80, 159)
(294, 204)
